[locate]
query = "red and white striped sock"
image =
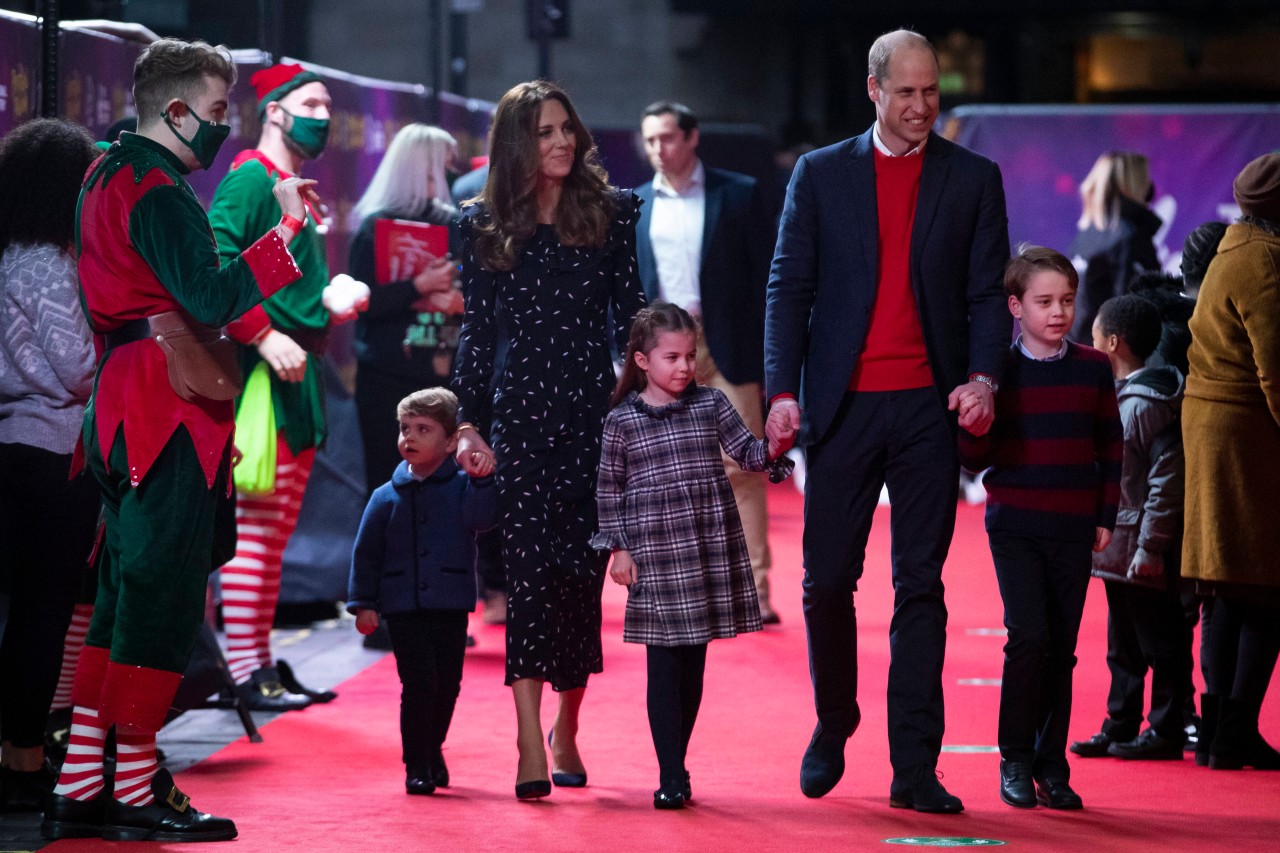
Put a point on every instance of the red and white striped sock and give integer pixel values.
(71, 647)
(81, 776)
(251, 580)
(135, 766)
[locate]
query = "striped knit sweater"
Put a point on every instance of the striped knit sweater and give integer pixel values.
(1055, 449)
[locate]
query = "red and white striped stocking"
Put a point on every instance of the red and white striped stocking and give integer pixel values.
(71, 647)
(135, 766)
(251, 581)
(81, 776)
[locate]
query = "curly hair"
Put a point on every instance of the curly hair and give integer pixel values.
(1134, 319)
(171, 68)
(510, 195)
(42, 164)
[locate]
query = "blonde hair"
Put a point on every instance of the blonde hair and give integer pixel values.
(1115, 175)
(399, 187)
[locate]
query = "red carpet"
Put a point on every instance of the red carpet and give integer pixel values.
(329, 778)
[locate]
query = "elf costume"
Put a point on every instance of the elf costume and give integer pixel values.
(242, 207)
(163, 463)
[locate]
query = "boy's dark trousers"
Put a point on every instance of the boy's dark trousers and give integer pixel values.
(429, 646)
(1043, 583)
(1145, 629)
(674, 695)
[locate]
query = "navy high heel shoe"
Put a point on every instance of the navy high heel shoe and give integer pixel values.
(566, 780)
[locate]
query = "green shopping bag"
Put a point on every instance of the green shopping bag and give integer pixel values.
(255, 473)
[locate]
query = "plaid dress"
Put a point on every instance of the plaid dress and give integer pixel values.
(664, 497)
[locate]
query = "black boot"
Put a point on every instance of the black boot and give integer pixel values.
(1237, 742)
(264, 692)
(1208, 727)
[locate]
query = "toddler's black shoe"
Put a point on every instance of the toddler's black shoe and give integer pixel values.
(417, 780)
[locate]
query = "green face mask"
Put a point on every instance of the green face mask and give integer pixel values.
(309, 134)
(208, 139)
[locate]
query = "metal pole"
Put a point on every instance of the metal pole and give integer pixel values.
(458, 53)
(435, 57)
(544, 41)
(49, 25)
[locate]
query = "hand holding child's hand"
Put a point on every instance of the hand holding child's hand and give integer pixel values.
(366, 621)
(781, 425)
(482, 464)
(623, 568)
(1101, 539)
(974, 402)
(474, 453)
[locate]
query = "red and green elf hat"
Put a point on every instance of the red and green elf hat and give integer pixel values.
(280, 79)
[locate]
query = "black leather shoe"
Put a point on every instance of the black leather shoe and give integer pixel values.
(417, 780)
(293, 685)
(823, 763)
(1148, 746)
(68, 818)
(1016, 787)
(923, 792)
(1057, 794)
(437, 771)
(534, 790)
(566, 780)
(1094, 747)
(26, 790)
(670, 795)
(688, 788)
(170, 818)
(264, 692)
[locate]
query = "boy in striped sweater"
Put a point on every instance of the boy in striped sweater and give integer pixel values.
(1054, 455)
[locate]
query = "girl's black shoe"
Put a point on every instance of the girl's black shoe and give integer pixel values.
(670, 795)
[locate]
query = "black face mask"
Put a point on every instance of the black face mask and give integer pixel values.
(208, 139)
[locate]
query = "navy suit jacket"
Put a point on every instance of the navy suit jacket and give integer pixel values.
(736, 241)
(822, 285)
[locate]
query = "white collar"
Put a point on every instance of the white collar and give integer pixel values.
(884, 149)
(696, 181)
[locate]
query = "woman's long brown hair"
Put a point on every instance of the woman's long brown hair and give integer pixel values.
(649, 323)
(586, 205)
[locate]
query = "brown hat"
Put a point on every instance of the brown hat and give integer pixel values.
(1257, 188)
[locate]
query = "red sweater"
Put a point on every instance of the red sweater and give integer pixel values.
(894, 357)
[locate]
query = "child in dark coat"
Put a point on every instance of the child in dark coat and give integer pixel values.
(414, 564)
(1145, 624)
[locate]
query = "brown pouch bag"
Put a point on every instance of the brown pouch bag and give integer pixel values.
(201, 359)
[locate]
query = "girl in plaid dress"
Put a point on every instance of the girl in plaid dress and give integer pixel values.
(667, 513)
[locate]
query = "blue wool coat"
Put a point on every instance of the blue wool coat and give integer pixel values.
(416, 548)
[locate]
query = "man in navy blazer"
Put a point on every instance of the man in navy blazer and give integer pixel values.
(703, 242)
(885, 313)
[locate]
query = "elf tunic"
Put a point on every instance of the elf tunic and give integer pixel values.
(244, 207)
(145, 247)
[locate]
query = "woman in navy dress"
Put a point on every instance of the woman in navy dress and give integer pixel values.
(548, 252)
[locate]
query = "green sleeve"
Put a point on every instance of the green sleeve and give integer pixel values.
(169, 229)
(243, 208)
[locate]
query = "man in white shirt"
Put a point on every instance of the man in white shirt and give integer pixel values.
(704, 242)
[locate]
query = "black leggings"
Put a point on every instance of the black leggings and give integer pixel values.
(47, 524)
(674, 694)
(1239, 644)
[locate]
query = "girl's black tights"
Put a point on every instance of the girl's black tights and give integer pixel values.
(674, 694)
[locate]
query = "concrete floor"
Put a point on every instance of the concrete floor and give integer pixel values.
(322, 655)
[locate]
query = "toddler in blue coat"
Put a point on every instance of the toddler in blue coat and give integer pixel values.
(414, 565)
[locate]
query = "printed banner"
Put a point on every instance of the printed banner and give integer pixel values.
(1044, 153)
(19, 70)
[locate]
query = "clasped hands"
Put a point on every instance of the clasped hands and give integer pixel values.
(437, 287)
(474, 454)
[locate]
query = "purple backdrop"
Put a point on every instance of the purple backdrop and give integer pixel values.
(96, 78)
(1044, 153)
(19, 71)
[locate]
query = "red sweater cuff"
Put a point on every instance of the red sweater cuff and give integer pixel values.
(249, 326)
(785, 395)
(271, 264)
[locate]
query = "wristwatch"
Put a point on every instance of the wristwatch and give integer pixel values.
(985, 380)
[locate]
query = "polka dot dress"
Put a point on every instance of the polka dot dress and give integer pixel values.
(548, 406)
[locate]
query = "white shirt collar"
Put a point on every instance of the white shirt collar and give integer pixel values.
(696, 181)
(884, 149)
(1057, 356)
